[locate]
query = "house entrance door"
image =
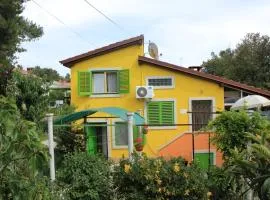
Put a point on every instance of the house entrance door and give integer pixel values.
(97, 141)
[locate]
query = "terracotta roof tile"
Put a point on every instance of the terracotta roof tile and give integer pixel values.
(103, 50)
(211, 77)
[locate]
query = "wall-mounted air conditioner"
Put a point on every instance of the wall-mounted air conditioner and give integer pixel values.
(144, 92)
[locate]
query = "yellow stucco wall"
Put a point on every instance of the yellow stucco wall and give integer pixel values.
(186, 87)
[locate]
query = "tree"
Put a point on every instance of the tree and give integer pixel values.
(47, 74)
(244, 140)
(67, 77)
(30, 94)
(14, 29)
(231, 128)
(249, 62)
(22, 156)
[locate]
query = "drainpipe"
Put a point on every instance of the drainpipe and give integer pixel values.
(130, 134)
(51, 145)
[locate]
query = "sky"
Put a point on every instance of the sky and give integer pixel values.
(185, 31)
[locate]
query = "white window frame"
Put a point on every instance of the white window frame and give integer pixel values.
(207, 151)
(114, 146)
(93, 120)
(161, 127)
(160, 77)
(213, 99)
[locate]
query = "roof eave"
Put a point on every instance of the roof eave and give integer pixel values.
(210, 77)
(69, 62)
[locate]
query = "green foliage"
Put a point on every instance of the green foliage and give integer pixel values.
(31, 95)
(84, 176)
(223, 185)
(14, 29)
(231, 130)
(147, 178)
(253, 163)
(67, 77)
(68, 140)
(265, 190)
(47, 74)
(248, 63)
(245, 141)
(22, 156)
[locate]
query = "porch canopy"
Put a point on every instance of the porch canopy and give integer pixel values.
(115, 111)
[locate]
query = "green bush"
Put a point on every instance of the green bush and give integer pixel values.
(231, 130)
(84, 176)
(22, 156)
(146, 178)
(223, 185)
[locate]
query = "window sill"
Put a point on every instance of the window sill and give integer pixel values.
(163, 87)
(119, 147)
(105, 95)
(161, 127)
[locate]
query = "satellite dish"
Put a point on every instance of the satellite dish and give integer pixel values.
(153, 50)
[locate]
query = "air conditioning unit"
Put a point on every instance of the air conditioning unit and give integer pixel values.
(144, 92)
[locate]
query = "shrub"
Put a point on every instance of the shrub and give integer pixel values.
(84, 176)
(146, 178)
(231, 130)
(223, 185)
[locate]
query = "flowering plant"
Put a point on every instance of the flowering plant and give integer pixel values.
(157, 178)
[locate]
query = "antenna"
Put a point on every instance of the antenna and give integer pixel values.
(153, 50)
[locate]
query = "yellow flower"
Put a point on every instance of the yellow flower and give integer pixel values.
(187, 192)
(127, 168)
(159, 190)
(158, 163)
(176, 167)
(209, 194)
(159, 181)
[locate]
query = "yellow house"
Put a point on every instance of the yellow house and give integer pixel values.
(184, 98)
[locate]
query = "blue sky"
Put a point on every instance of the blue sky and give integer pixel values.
(186, 32)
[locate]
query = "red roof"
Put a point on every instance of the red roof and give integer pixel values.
(203, 75)
(139, 40)
(103, 50)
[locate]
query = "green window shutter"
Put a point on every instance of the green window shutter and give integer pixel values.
(167, 112)
(160, 112)
(153, 112)
(84, 83)
(123, 77)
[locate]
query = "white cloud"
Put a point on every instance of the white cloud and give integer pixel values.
(185, 31)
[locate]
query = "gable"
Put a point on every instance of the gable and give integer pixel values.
(69, 62)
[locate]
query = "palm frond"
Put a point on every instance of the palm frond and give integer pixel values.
(261, 150)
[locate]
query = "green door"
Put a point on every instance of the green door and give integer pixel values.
(203, 159)
(91, 144)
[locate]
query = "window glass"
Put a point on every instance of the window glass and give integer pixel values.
(160, 82)
(98, 82)
(111, 82)
(105, 82)
(121, 134)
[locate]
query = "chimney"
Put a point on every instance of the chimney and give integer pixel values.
(29, 69)
(196, 68)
